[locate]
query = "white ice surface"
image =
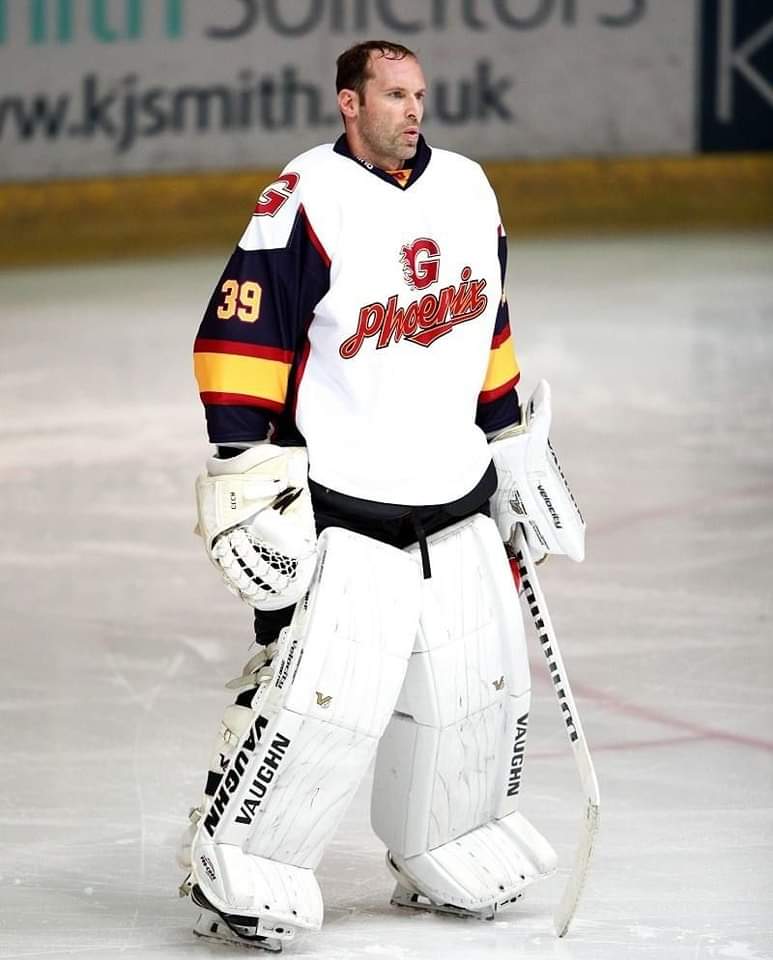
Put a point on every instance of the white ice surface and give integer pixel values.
(117, 636)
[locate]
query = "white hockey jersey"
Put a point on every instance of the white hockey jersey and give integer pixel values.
(363, 314)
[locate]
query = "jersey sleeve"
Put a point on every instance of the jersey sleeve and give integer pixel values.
(498, 405)
(251, 342)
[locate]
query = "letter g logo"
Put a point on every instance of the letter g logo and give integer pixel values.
(421, 263)
(276, 195)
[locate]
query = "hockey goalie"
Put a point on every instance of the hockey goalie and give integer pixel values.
(372, 460)
(427, 672)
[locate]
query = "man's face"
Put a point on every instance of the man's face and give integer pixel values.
(385, 123)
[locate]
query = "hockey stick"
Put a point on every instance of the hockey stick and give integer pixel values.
(538, 609)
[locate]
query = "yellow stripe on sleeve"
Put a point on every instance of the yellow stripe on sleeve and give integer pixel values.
(502, 366)
(247, 376)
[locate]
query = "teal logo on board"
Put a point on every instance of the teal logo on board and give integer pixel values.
(59, 22)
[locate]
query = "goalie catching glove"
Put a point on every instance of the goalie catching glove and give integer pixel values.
(532, 489)
(257, 522)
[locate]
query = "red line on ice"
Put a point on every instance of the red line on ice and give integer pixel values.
(657, 716)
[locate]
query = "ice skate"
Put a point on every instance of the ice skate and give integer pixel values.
(233, 928)
(407, 894)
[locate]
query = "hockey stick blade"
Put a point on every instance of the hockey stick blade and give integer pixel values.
(535, 600)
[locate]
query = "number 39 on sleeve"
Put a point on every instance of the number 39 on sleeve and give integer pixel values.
(241, 300)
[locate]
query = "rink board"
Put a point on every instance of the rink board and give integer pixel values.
(78, 220)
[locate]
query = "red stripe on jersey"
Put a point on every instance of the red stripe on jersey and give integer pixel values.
(239, 349)
(305, 351)
(240, 400)
(316, 242)
(499, 338)
(486, 396)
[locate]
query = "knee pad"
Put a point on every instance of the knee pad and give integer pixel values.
(448, 769)
(339, 670)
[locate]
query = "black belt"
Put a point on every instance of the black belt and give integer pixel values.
(399, 524)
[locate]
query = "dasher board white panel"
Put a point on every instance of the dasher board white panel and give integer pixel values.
(126, 86)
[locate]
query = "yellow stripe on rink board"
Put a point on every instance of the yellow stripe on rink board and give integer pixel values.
(246, 376)
(122, 217)
(585, 194)
(115, 218)
(502, 366)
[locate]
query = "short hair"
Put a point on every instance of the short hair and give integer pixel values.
(353, 72)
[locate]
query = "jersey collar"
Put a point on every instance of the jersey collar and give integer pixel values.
(417, 164)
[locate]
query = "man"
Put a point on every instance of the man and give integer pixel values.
(354, 362)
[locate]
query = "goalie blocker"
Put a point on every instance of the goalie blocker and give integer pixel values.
(437, 671)
(532, 489)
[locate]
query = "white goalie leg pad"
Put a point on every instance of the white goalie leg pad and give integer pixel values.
(448, 769)
(340, 669)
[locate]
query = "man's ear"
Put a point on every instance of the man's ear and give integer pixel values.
(348, 103)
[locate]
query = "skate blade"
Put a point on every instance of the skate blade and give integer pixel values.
(246, 931)
(417, 901)
(210, 926)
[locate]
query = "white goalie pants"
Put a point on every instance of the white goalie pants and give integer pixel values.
(431, 672)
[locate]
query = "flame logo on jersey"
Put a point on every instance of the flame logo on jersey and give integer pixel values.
(421, 263)
(423, 321)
